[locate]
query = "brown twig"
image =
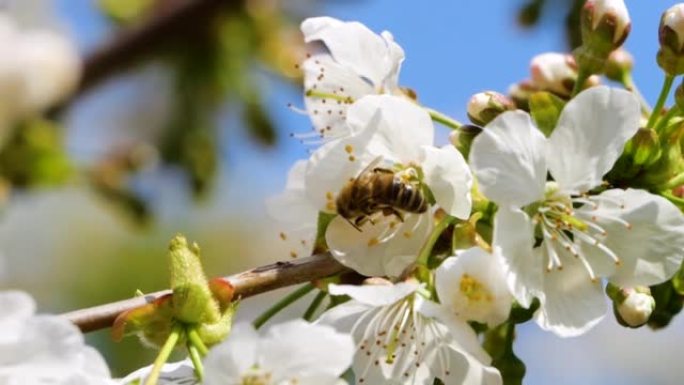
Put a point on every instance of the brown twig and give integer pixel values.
(247, 284)
(172, 20)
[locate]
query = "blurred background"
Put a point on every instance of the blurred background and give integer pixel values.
(180, 124)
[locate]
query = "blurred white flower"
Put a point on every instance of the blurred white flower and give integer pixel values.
(399, 342)
(631, 237)
(44, 349)
(472, 286)
(636, 306)
(394, 134)
(39, 67)
(346, 62)
(176, 373)
(294, 352)
(295, 216)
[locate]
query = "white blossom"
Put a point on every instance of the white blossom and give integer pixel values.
(44, 349)
(631, 237)
(346, 62)
(294, 352)
(395, 134)
(472, 286)
(399, 342)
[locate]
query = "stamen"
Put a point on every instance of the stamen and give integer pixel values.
(587, 266)
(554, 259)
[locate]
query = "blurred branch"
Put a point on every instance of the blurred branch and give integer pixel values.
(246, 284)
(173, 19)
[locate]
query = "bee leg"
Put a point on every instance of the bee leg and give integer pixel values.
(360, 221)
(387, 211)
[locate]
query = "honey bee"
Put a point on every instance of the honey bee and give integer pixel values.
(378, 190)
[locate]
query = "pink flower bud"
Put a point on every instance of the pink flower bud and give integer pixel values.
(555, 72)
(483, 107)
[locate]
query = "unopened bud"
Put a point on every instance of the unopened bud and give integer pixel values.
(605, 25)
(555, 72)
(520, 93)
(483, 107)
(644, 147)
(671, 37)
(634, 306)
(619, 64)
(463, 137)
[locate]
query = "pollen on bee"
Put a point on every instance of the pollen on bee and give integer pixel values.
(329, 195)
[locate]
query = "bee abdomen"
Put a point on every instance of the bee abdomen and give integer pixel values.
(408, 197)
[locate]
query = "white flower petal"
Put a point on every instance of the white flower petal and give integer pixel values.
(508, 160)
(176, 373)
(375, 295)
(652, 249)
(464, 336)
(355, 46)
(591, 132)
(298, 348)
(514, 234)
(330, 90)
(449, 179)
(385, 248)
(572, 303)
(227, 361)
(402, 130)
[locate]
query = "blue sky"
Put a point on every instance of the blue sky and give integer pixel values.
(454, 48)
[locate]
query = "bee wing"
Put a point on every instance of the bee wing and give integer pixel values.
(373, 163)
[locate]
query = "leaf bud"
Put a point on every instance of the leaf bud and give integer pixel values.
(483, 107)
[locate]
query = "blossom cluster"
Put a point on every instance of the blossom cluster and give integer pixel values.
(559, 197)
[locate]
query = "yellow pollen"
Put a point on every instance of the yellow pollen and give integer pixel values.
(330, 206)
(408, 234)
(329, 196)
(474, 290)
(352, 158)
(373, 241)
(293, 254)
(349, 149)
(283, 236)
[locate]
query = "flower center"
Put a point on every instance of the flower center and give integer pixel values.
(256, 376)
(398, 339)
(567, 221)
(474, 290)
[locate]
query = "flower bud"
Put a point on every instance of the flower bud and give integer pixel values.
(605, 24)
(644, 147)
(483, 107)
(520, 93)
(463, 137)
(619, 64)
(671, 36)
(635, 307)
(555, 72)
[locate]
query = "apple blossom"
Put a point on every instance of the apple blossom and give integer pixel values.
(347, 61)
(399, 342)
(397, 135)
(44, 349)
(630, 237)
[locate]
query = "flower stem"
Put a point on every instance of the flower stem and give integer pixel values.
(282, 304)
(676, 181)
(196, 360)
(197, 342)
(443, 119)
(311, 310)
(582, 76)
(430, 243)
(662, 122)
(629, 84)
(664, 92)
(164, 354)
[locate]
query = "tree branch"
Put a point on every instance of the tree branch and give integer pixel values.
(247, 284)
(170, 21)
